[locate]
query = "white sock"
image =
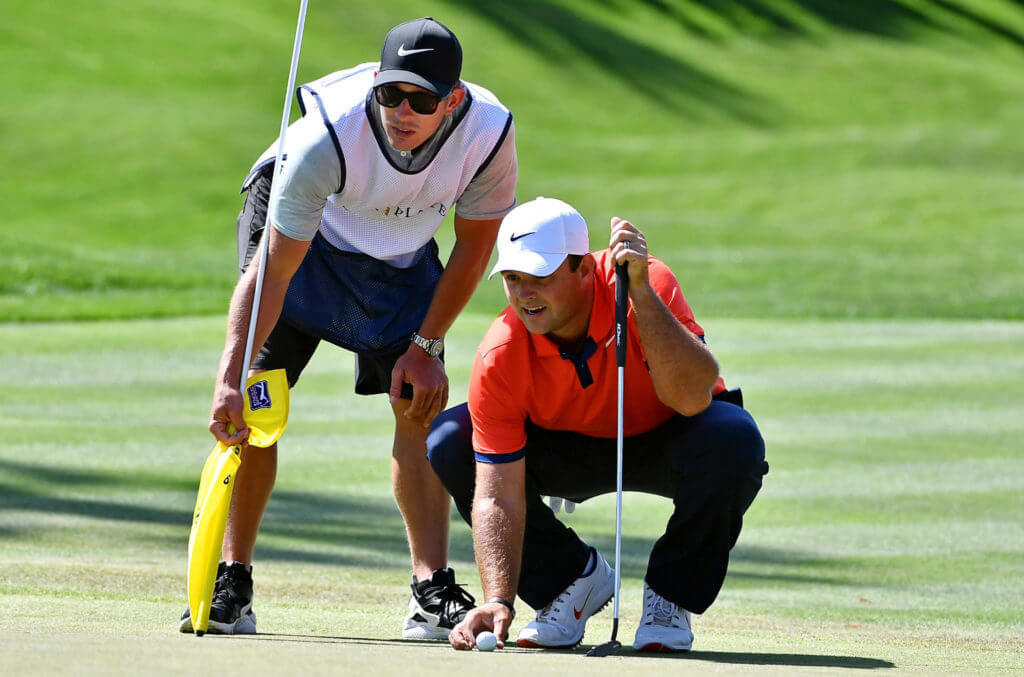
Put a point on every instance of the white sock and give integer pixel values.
(591, 563)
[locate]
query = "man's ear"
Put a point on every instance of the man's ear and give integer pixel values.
(586, 268)
(454, 99)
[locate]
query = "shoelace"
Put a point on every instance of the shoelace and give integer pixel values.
(554, 606)
(663, 612)
(454, 598)
(224, 590)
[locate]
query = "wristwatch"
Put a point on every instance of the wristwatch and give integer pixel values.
(503, 602)
(432, 347)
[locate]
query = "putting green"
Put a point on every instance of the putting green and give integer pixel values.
(887, 535)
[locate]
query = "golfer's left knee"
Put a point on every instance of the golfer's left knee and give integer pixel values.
(450, 440)
(742, 447)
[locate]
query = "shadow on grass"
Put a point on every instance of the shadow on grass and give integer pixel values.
(14, 497)
(890, 19)
(93, 478)
(775, 659)
(725, 657)
(562, 35)
(317, 527)
(299, 526)
(338, 639)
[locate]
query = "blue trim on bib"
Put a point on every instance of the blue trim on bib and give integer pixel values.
(255, 171)
(330, 129)
(382, 139)
(494, 151)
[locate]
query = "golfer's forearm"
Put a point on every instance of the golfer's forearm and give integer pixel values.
(454, 289)
(498, 540)
(284, 255)
(271, 302)
(474, 241)
(683, 370)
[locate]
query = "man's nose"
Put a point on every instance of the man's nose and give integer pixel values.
(404, 109)
(523, 292)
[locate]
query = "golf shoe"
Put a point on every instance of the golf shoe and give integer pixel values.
(437, 604)
(664, 627)
(562, 622)
(231, 612)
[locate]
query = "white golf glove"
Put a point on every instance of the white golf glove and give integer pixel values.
(557, 502)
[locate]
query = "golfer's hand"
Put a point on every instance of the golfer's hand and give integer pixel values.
(629, 246)
(429, 384)
(494, 617)
(226, 421)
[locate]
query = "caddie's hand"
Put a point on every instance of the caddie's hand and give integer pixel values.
(429, 384)
(629, 246)
(494, 617)
(226, 420)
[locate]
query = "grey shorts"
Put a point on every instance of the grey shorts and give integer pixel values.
(289, 347)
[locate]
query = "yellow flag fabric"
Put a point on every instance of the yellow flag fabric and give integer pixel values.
(266, 407)
(266, 414)
(207, 535)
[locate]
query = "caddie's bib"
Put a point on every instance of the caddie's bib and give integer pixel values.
(381, 210)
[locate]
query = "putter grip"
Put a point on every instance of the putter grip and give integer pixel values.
(621, 309)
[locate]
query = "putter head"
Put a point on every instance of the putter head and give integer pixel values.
(606, 649)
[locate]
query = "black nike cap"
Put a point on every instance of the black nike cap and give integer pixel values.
(422, 53)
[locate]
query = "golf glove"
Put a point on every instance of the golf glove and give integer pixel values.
(557, 502)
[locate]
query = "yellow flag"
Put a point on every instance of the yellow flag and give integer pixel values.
(266, 414)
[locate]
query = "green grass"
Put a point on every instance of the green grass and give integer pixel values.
(836, 184)
(789, 158)
(887, 535)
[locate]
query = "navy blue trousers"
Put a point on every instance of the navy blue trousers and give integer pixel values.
(710, 465)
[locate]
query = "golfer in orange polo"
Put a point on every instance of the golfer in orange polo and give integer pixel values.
(541, 421)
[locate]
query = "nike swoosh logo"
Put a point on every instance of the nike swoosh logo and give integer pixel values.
(402, 51)
(579, 612)
(516, 237)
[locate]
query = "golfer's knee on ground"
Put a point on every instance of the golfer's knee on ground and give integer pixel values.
(741, 441)
(450, 440)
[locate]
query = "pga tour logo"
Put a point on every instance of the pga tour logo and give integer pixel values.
(259, 395)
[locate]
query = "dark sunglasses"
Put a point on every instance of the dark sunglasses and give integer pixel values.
(390, 96)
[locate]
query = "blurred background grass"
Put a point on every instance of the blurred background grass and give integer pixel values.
(836, 184)
(789, 158)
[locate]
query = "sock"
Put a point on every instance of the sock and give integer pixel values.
(591, 563)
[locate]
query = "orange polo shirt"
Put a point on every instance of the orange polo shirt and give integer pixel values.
(519, 376)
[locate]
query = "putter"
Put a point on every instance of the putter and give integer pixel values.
(217, 482)
(621, 308)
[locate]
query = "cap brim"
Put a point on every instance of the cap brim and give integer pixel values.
(395, 75)
(538, 264)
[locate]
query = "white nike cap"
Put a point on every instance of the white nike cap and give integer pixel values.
(536, 236)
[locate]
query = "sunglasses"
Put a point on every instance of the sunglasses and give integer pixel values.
(390, 96)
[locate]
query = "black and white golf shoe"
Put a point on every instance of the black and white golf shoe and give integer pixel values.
(231, 611)
(436, 606)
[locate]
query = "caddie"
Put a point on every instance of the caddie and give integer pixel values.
(542, 421)
(383, 152)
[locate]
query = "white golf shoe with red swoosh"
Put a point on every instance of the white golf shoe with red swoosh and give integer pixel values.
(665, 627)
(560, 625)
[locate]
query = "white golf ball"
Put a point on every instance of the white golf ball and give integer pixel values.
(486, 641)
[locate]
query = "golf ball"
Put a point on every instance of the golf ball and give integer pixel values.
(486, 641)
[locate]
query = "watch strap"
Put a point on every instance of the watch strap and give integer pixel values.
(503, 601)
(433, 346)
